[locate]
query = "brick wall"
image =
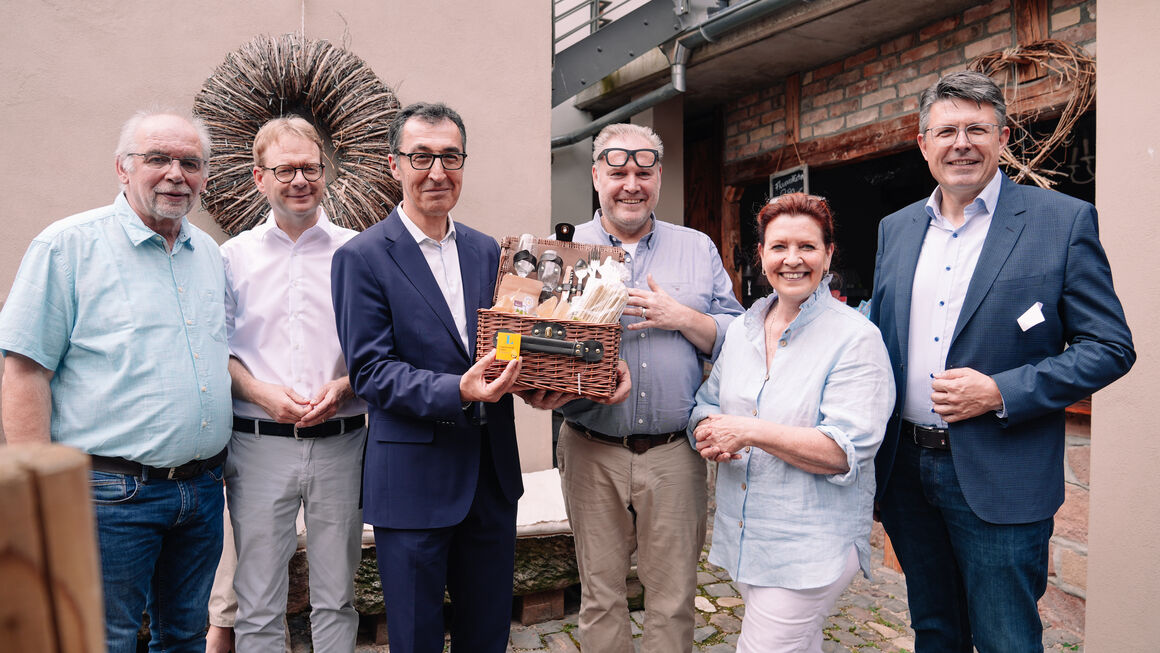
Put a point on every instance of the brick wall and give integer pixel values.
(884, 81)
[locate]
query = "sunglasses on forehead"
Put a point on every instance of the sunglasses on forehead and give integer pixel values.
(618, 157)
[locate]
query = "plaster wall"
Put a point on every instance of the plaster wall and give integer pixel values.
(1123, 548)
(71, 73)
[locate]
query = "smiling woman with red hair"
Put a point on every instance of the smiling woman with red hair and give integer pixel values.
(794, 411)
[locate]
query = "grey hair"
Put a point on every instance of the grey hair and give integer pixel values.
(626, 129)
(430, 113)
(963, 85)
(127, 141)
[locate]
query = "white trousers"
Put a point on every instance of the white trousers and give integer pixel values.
(267, 479)
(779, 620)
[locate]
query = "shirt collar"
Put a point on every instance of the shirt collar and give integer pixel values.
(418, 234)
(136, 230)
(983, 204)
(647, 240)
(754, 318)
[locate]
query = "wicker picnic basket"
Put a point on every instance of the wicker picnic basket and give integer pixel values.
(554, 371)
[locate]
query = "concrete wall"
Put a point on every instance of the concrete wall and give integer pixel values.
(71, 73)
(1124, 540)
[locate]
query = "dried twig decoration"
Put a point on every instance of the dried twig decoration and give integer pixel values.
(274, 76)
(1072, 67)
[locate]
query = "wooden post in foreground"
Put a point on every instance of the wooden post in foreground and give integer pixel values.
(50, 583)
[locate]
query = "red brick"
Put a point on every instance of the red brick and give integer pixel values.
(863, 87)
(940, 27)
(976, 13)
(747, 100)
(890, 109)
(748, 150)
(731, 129)
(1064, 611)
(779, 127)
(897, 45)
(845, 79)
(736, 141)
(1079, 460)
(987, 45)
(941, 62)
(760, 133)
(747, 124)
(879, 97)
(828, 70)
(829, 126)
(1000, 23)
(959, 37)
(814, 88)
(818, 115)
(845, 106)
(736, 115)
(910, 103)
(1081, 33)
(858, 59)
(1072, 568)
(1071, 522)
(829, 97)
(760, 108)
(916, 85)
(897, 75)
(921, 52)
(731, 155)
(772, 116)
(880, 66)
(772, 143)
(862, 117)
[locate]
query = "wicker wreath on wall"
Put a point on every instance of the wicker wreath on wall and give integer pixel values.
(273, 76)
(1030, 156)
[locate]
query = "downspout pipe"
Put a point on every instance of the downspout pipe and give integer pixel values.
(708, 31)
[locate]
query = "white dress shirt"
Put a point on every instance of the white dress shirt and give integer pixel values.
(279, 312)
(945, 267)
(443, 259)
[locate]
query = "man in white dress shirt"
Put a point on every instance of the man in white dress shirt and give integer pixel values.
(299, 431)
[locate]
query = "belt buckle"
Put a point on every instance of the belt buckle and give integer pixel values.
(637, 446)
(171, 475)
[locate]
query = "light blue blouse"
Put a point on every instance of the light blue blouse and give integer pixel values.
(777, 525)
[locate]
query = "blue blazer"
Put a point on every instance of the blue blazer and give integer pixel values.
(1042, 246)
(405, 359)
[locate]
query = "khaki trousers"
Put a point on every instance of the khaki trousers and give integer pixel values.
(619, 502)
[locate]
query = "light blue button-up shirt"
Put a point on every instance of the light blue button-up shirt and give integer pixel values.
(134, 334)
(777, 525)
(666, 368)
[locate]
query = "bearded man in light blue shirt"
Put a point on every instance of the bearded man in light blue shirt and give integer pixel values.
(115, 344)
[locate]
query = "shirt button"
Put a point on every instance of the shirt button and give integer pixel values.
(205, 424)
(644, 335)
(783, 342)
(948, 268)
(196, 356)
(741, 523)
(755, 411)
(640, 421)
(189, 322)
(643, 393)
(746, 449)
(954, 235)
(942, 303)
(936, 338)
(203, 388)
(742, 486)
(644, 364)
(180, 289)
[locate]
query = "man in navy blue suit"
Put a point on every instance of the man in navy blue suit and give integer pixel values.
(996, 304)
(441, 476)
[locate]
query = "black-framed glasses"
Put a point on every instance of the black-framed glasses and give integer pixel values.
(618, 157)
(286, 173)
(977, 133)
(159, 161)
(424, 160)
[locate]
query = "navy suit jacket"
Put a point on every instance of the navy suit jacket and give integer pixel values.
(1042, 246)
(405, 359)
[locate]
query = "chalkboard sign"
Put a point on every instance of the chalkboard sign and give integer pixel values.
(792, 180)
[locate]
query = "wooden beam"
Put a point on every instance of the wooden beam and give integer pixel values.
(1030, 26)
(793, 108)
(731, 234)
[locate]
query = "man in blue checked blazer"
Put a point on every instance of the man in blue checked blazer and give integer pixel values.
(996, 304)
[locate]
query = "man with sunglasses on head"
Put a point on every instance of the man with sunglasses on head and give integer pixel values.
(299, 431)
(632, 482)
(114, 338)
(996, 304)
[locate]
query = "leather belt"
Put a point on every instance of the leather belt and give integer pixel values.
(323, 430)
(928, 437)
(634, 443)
(145, 472)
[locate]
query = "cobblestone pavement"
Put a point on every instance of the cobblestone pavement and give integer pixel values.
(870, 616)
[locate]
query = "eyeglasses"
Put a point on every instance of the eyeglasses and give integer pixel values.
(977, 133)
(286, 173)
(618, 157)
(159, 161)
(424, 160)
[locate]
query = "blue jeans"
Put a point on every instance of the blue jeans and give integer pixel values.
(969, 582)
(160, 542)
